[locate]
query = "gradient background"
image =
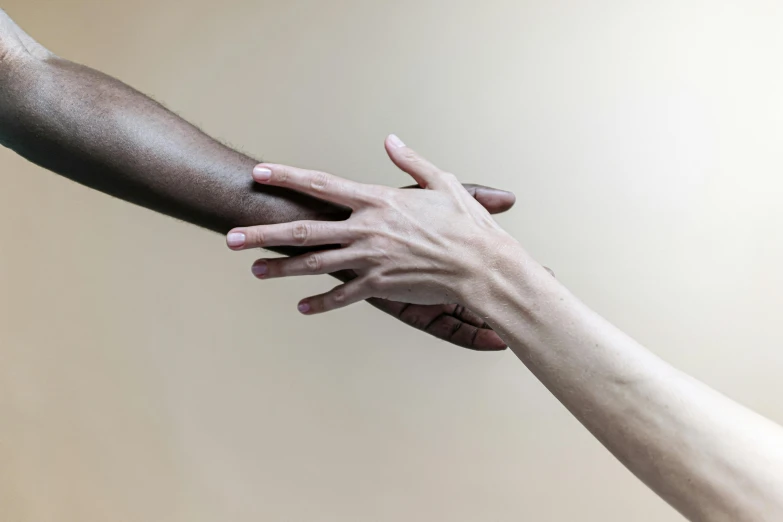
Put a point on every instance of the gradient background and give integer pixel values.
(146, 376)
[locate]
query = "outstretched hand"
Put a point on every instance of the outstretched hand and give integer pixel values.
(398, 246)
(453, 323)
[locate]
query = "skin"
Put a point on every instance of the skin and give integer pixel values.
(97, 131)
(709, 457)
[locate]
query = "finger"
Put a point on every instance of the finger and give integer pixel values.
(408, 160)
(462, 334)
(466, 316)
(486, 340)
(466, 330)
(341, 296)
(314, 263)
(317, 184)
(494, 200)
(463, 328)
(423, 316)
(298, 233)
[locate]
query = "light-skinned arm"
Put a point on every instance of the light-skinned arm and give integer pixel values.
(708, 456)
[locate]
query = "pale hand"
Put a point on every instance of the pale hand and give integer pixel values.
(415, 246)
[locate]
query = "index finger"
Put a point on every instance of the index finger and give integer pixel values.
(317, 184)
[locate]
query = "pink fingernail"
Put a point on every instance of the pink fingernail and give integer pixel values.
(304, 308)
(259, 270)
(236, 239)
(396, 141)
(262, 174)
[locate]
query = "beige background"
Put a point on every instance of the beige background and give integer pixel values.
(145, 376)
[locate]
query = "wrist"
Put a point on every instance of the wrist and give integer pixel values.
(491, 256)
(507, 276)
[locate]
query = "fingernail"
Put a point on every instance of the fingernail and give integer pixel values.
(236, 239)
(396, 141)
(259, 270)
(262, 174)
(304, 308)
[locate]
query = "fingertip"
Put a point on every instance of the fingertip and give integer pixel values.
(304, 308)
(260, 269)
(236, 239)
(509, 199)
(394, 148)
(262, 173)
(495, 201)
(394, 142)
(488, 341)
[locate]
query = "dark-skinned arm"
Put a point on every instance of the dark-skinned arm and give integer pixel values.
(101, 133)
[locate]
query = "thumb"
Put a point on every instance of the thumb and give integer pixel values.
(408, 160)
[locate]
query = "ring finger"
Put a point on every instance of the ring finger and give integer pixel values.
(313, 263)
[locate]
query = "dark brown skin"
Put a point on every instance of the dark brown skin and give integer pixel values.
(97, 131)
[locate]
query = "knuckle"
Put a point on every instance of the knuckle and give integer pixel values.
(386, 198)
(451, 178)
(256, 237)
(366, 196)
(375, 283)
(301, 232)
(273, 267)
(319, 181)
(339, 295)
(375, 257)
(282, 174)
(411, 156)
(313, 262)
(358, 230)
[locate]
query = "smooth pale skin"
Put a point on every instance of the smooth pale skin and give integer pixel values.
(709, 457)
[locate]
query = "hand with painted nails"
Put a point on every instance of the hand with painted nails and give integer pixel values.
(422, 247)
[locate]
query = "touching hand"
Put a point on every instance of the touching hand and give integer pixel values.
(415, 246)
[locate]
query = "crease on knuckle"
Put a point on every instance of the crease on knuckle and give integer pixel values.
(257, 237)
(410, 156)
(339, 295)
(319, 181)
(313, 262)
(301, 232)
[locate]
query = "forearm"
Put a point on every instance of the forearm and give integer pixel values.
(99, 132)
(709, 457)
(103, 134)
